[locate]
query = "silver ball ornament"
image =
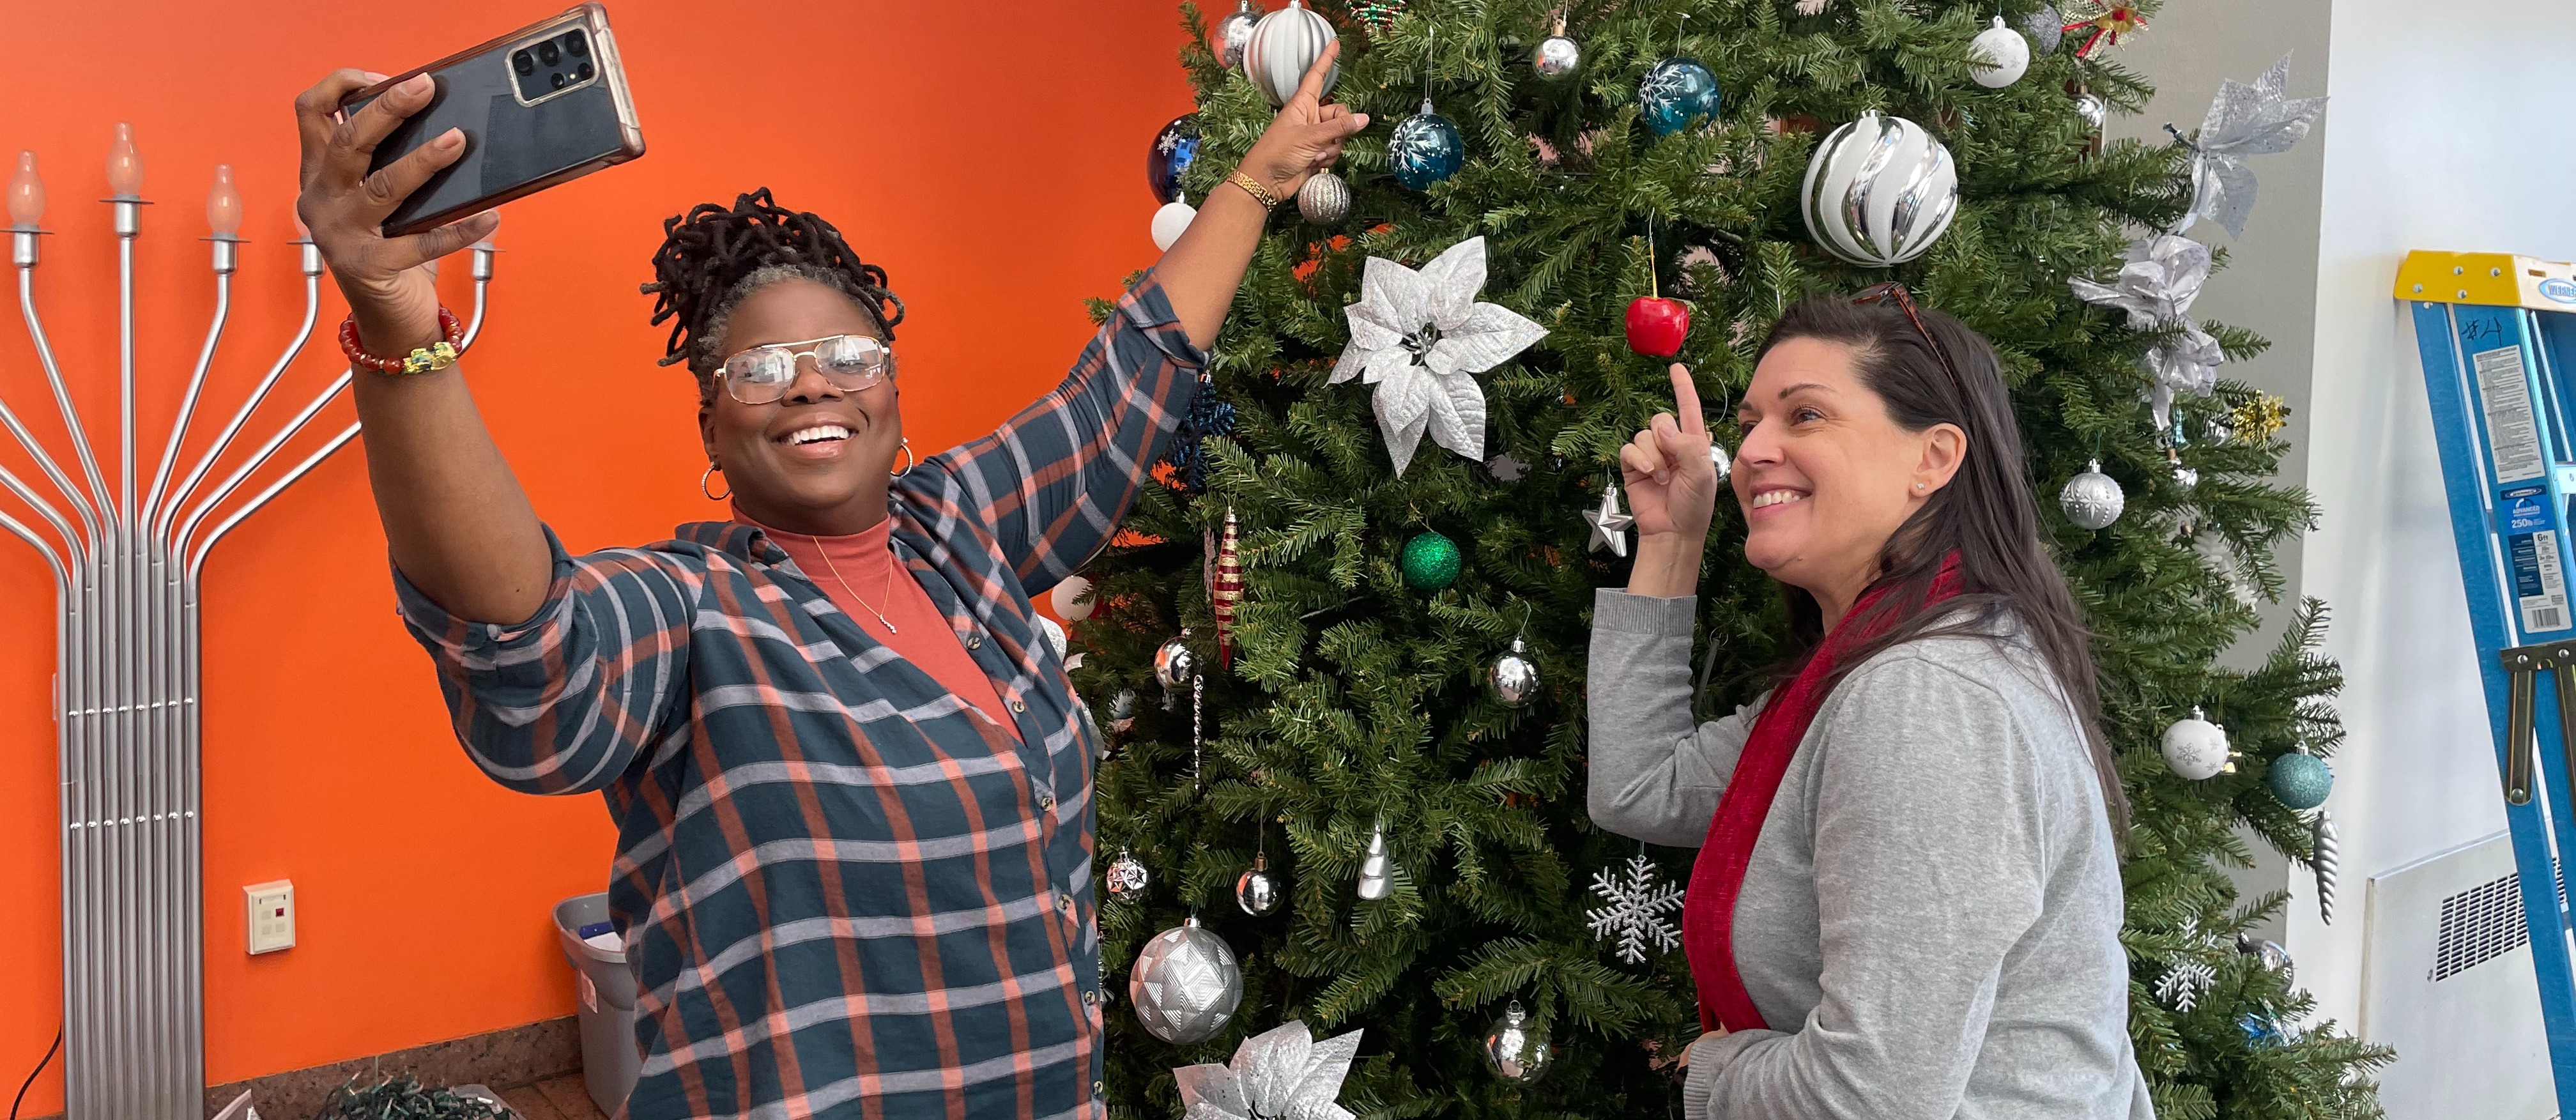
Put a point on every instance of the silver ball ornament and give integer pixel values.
(2274, 957)
(2095, 111)
(1185, 984)
(2046, 28)
(1325, 199)
(1513, 677)
(1718, 458)
(1233, 33)
(1515, 1048)
(1556, 56)
(1174, 663)
(2185, 477)
(2092, 500)
(1126, 877)
(2195, 748)
(1259, 892)
(1879, 191)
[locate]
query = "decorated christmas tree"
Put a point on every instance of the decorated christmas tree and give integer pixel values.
(1339, 654)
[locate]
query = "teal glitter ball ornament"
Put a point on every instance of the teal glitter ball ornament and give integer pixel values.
(2301, 781)
(1676, 92)
(1425, 149)
(1431, 561)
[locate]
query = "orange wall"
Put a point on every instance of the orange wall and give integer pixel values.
(988, 154)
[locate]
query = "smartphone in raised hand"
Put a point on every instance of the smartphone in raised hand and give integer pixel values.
(542, 105)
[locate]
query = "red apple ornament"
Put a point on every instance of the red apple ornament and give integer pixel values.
(1657, 325)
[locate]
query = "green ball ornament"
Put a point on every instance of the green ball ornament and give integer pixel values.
(1431, 561)
(2300, 781)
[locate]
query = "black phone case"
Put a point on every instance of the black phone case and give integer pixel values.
(511, 148)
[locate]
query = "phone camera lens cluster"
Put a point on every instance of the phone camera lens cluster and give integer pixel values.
(555, 64)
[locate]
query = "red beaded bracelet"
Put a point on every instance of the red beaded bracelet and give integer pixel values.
(436, 356)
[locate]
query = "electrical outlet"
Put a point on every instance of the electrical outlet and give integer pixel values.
(271, 910)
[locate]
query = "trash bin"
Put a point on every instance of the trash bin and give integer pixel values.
(606, 990)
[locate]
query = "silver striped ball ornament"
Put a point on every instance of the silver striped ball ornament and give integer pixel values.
(1325, 199)
(1282, 46)
(1879, 191)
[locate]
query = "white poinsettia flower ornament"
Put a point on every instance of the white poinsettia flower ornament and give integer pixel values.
(1279, 1074)
(1419, 337)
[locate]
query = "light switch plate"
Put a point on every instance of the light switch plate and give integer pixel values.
(270, 908)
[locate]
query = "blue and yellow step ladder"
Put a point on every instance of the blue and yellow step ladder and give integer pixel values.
(2497, 335)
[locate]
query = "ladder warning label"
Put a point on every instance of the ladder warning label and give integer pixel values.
(2513, 437)
(2531, 546)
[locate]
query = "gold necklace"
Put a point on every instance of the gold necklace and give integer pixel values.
(837, 577)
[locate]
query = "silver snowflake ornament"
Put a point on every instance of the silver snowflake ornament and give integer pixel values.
(2255, 120)
(1635, 912)
(1280, 1074)
(1419, 337)
(2156, 286)
(2186, 979)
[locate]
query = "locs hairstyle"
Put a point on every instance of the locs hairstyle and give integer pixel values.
(1985, 515)
(712, 257)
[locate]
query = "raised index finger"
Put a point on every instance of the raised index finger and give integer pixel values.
(1311, 87)
(1686, 401)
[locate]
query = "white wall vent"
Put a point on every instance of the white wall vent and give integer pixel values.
(2447, 981)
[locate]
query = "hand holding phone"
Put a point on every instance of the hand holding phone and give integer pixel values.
(344, 204)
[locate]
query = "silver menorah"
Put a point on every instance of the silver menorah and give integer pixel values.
(125, 565)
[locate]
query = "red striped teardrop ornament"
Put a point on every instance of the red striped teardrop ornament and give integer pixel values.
(1229, 591)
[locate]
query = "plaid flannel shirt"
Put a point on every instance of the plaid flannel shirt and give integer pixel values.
(843, 891)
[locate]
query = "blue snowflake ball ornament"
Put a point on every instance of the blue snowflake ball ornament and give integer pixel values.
(1676, 92)
(1170, 155)
(1425, 149)
(1207, 416)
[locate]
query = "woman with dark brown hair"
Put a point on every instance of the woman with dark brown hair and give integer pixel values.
(1907, 899)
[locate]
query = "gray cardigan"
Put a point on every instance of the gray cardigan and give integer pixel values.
(1931, 916)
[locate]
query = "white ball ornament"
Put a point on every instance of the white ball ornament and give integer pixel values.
(1171, 222)
(2002, 55)
(1072, 599)
(2196, 748)
(1879, 191)
(1283, 45)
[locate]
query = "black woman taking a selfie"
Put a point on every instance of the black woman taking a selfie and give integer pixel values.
(852, 794)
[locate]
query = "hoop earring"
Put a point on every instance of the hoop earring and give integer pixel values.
(704, 489)
(907, 462)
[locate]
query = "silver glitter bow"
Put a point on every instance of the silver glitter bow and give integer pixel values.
(2163, 275)
(1280, 1074)
(1419, 337)
(2255, 120)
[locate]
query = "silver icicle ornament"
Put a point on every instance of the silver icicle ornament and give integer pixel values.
(2327, 861)
(1377, 871)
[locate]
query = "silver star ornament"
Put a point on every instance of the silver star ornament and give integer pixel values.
(2156, 286)
(2255, 120)
(1609, 526)
(1279, 1074)
(1419, 337)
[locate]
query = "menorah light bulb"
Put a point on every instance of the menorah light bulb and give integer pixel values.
(124, 164)
(223, 203)
(302, 232)
(26, 194)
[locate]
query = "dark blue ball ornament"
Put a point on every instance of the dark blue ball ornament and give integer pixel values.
(1425, 149)
(1676, 92)
(1188, 455)
(2301, 781)
(2264, 1031)
(1174, 147)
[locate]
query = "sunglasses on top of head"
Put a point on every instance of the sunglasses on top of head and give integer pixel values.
(849, 362)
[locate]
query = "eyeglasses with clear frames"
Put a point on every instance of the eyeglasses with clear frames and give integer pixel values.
(848, 362)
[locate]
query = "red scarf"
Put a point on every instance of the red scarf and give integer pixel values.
(1708, 910)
